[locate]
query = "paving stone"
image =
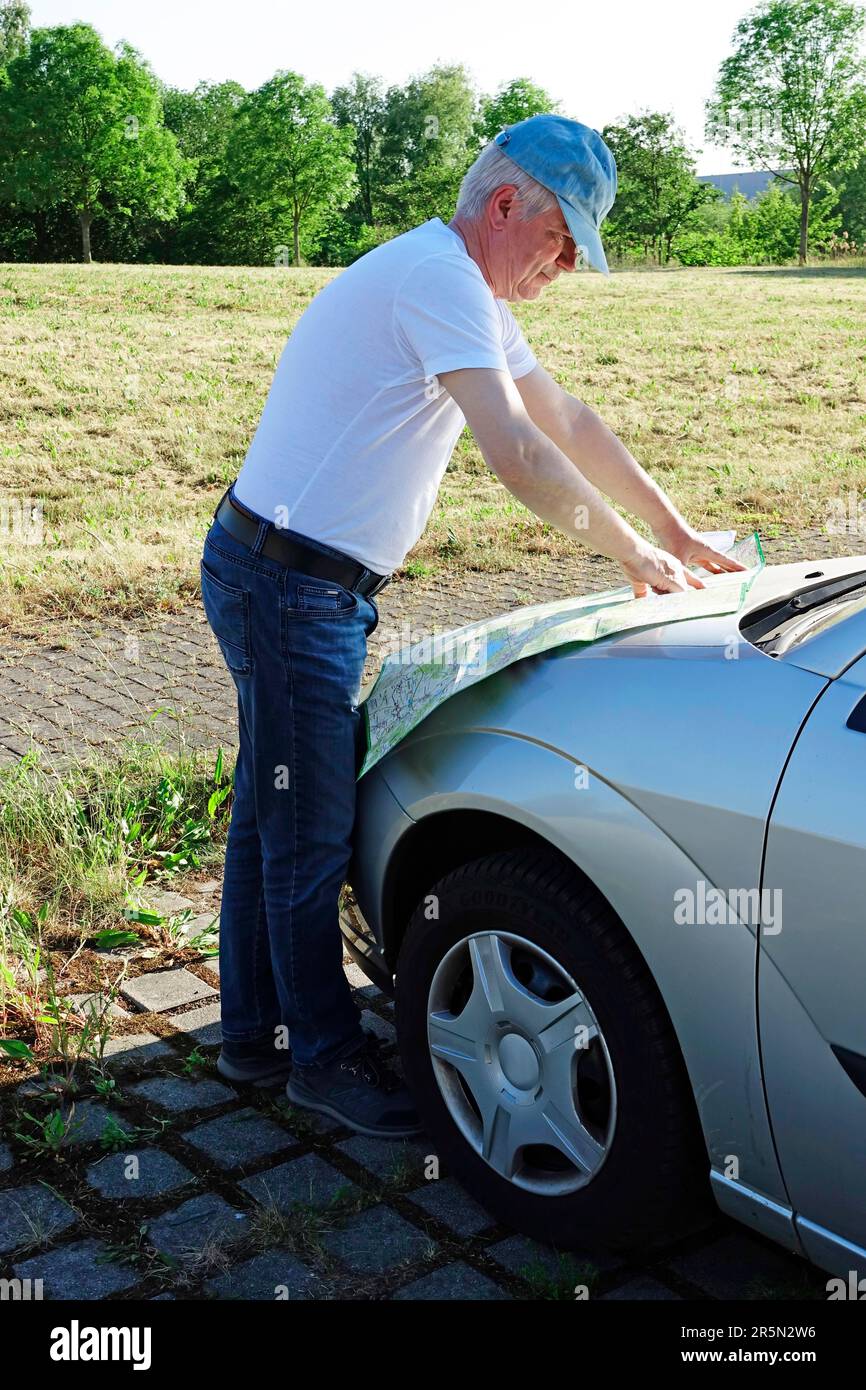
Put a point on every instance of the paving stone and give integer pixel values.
(201, 922)
(307, 1181)
(447, 1202)
(456, 1282)
(525, 1257)
(6, 1158)
(647, 1289)
(211, 963)
(197, 1225)
(209, 886)
(80, 1270)
(166, 989)
(378, 1240)
(167, 903)
(158, 1173)
(31, 1213)
(97, 1005)
(243, 1136)
(273, 1275)
(179, 1094)
(87, 1121)
(136, 1050)
(201, 1026)
(42, 1085)
(725, 1268)
(387, 1159)
(378, 1026)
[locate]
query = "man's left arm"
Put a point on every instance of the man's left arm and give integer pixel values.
(601, 457)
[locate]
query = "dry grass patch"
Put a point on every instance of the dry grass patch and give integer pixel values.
(129, 395)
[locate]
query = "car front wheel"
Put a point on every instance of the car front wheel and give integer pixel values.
(542, 1058)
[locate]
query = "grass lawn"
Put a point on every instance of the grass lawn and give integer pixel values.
(129, 395)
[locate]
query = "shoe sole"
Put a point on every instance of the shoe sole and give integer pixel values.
(232, 1073)
(323, 1108)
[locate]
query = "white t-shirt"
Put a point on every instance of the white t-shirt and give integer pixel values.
(357, 431)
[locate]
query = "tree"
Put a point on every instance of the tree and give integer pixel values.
(852, 202)
(361, 105)
(14, 30)
(82, 126)
(287, 155)
(428, 144)
(791, 97)
(657, 191)
(515, 101)
(201, 122)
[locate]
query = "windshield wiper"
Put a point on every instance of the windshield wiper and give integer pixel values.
(780, 611)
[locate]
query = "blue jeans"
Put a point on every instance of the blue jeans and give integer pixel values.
(295, 646)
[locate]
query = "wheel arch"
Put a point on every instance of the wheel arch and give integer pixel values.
(463, 797)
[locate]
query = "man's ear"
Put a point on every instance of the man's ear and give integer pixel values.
(502, 203)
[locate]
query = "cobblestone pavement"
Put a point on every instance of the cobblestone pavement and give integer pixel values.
(123, 680)
(239, 1195)
(212, 1191)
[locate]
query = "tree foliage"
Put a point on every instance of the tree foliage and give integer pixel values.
(792, 95)
(82, 126)
(219, 175)
(657, 191)
(514, 101)
(288, 157)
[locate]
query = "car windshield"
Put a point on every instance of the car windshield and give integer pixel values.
(786, 622)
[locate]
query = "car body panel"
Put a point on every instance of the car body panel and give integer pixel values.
(650, 759)
(639, 718)
(814, 995)
(705, 975)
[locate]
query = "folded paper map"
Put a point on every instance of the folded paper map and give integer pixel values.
(412, 682)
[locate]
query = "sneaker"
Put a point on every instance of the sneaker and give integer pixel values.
(359, 1090)
(256, 1063)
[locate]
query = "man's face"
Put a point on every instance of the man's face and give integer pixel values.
(530, 254)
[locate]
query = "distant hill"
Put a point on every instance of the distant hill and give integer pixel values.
(750, 183)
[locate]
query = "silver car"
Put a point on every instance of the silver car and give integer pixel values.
(619, 891)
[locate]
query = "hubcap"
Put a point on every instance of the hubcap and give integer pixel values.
(521, 1062)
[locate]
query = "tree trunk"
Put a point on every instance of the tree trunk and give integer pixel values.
(85, 218)
(296, 230)
(805, 194)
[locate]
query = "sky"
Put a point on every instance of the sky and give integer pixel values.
(602, 61)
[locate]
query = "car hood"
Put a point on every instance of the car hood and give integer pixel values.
(774, 582)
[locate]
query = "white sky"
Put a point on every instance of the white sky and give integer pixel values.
(602, 61)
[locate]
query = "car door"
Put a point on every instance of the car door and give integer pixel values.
(812, 975)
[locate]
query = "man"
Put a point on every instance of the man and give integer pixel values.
(373, 388)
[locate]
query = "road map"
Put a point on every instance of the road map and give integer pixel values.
(412, 682)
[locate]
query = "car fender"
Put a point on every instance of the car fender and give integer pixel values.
(705, 974)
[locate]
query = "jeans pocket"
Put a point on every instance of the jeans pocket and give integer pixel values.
(228, 612)
(323, 599)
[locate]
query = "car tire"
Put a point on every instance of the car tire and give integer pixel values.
(529, 908)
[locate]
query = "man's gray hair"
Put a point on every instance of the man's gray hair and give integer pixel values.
(490, 171)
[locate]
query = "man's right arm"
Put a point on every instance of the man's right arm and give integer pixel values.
(540, 475)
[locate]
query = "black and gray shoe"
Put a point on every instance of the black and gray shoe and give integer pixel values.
(256, 1063)
(359, 1090)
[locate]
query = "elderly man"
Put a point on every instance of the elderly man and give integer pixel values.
(373, 388)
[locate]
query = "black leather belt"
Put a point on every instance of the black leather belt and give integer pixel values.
(324, 563)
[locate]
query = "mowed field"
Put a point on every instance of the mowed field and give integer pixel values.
(129, 394)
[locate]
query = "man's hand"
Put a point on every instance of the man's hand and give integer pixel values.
(658, 570)
(681, 541)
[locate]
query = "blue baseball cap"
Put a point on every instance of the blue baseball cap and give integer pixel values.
(572, 161)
